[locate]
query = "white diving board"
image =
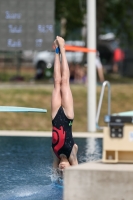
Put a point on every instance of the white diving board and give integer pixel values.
(128, 113)
(21, 109)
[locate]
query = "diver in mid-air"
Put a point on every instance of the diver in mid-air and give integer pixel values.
(62, 110)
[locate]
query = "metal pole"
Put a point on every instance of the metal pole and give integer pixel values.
(91, 69)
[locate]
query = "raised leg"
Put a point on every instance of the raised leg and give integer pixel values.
(56, 94)
(66, 95)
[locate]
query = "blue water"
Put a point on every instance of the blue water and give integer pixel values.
(25, 167)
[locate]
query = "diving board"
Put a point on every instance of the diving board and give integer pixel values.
(127, 113)
(21, 109)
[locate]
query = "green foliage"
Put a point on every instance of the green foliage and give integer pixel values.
(116, 16)
(112, 16)
(72, 12)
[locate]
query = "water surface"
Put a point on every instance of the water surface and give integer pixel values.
(25, 166)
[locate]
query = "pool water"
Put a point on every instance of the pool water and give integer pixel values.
(26, 167)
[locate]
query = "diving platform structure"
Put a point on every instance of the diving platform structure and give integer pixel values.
(118, 134)
(111, 177)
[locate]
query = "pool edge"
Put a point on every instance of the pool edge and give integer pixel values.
(47, 134)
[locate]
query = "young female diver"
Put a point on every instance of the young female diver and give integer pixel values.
(63, 146)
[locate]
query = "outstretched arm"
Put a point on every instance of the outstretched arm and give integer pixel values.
(73, 156)
(55, 160)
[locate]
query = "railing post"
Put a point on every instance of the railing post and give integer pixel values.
(105, 83)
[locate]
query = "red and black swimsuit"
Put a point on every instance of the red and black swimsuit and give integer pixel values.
(62, 140)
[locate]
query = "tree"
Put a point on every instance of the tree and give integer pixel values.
(71, 11)
(112, 16)
(116, 16)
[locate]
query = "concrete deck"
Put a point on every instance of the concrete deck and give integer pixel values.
(99, 181)
(47, 134)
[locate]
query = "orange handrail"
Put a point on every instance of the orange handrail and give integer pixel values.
(78, 48)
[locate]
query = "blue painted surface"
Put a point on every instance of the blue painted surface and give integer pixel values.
(25, 167)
